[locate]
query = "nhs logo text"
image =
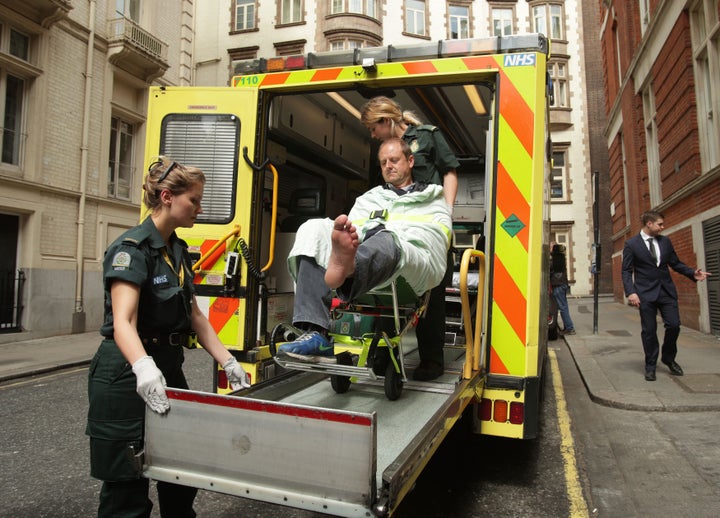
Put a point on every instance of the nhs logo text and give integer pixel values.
(520, 60)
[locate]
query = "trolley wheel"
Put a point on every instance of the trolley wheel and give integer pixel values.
(393, 382)
(341, 384)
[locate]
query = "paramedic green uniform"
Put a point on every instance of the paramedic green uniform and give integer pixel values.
(117, 413)
(433, 159)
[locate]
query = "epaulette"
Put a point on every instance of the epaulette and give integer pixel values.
(136, 235)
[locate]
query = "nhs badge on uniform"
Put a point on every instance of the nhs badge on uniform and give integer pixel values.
(121, 261)
(160, 279)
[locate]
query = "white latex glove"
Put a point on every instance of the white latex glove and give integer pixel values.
(236, 375)
(151, 385)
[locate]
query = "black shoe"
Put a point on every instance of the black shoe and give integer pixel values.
(650, 376)
(675, 369)
(427, 371)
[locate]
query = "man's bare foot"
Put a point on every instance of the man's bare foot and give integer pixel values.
(342, 258)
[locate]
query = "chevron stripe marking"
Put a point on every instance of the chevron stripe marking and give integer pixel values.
(275, 79)
(420, 67)
(510, 299)
(326, 74)
(221, 311)
(480, 62)
(496, 364)
(511, 201)
(516, 112)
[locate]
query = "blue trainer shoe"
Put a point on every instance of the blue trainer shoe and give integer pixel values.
(310, 346)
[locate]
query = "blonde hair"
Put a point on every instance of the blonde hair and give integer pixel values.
(165, 173)
(379, 108)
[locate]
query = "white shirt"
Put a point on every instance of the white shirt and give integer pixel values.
(654, 244)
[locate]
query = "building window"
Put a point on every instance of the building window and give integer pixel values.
(19, 45)
(705, 30)
(644, 15)
(415, 17)
(244, 15)
(346, 44)
(558, 75)
(626, 186)
(366, 7)
(558, 176)
(653, 148)
(502, 21)
(618, 55)
(128, 9)
(290, 11)
(12, 91)
(459, 21)
(548, 20)
(120, 167)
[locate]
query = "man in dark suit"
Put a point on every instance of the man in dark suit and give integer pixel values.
(648, 285)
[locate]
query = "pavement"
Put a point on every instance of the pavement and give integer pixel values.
(610, 361)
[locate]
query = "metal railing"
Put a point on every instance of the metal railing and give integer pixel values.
(11, 300)
(124, 30)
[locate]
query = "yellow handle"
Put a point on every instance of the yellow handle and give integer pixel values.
(472, 336)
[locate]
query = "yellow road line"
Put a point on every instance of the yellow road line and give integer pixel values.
(578, 506)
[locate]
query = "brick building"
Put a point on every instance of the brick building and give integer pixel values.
(662, 85)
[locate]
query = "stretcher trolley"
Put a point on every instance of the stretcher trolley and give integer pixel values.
(368, 333)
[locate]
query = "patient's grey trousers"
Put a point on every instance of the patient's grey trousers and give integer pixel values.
(376, 260)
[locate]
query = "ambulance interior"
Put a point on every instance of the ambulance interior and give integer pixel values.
(325, 158)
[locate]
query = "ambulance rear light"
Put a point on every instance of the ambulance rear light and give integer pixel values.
(500, 408)
(500, 411)
(418, 51)
(275, 64)
(377, 54)
(331, 59)
(295, 63)
(517, 413)
(485, 410)
(222, 381)
(394, 53)
(250, 66)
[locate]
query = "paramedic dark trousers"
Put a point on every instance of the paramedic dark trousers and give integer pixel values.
(115, 423)
(431, 328)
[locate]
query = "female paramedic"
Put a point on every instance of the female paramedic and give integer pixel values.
(435, 163)
(150, 313)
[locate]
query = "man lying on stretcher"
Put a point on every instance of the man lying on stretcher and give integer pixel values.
(400, 229)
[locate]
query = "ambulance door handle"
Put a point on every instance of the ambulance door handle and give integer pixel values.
(273, 221)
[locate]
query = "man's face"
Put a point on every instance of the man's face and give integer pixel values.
(396, 168)
(654, 228)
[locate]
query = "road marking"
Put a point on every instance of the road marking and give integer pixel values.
(578, 506)
(40, 377)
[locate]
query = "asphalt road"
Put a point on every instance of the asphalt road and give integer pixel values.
(44, 462)
(629, 463)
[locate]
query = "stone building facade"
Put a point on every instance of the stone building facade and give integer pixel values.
(73, 95)
(240, 30)
(662, 85)
(74, 77)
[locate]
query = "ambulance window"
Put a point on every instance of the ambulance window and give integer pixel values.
(209, 142)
